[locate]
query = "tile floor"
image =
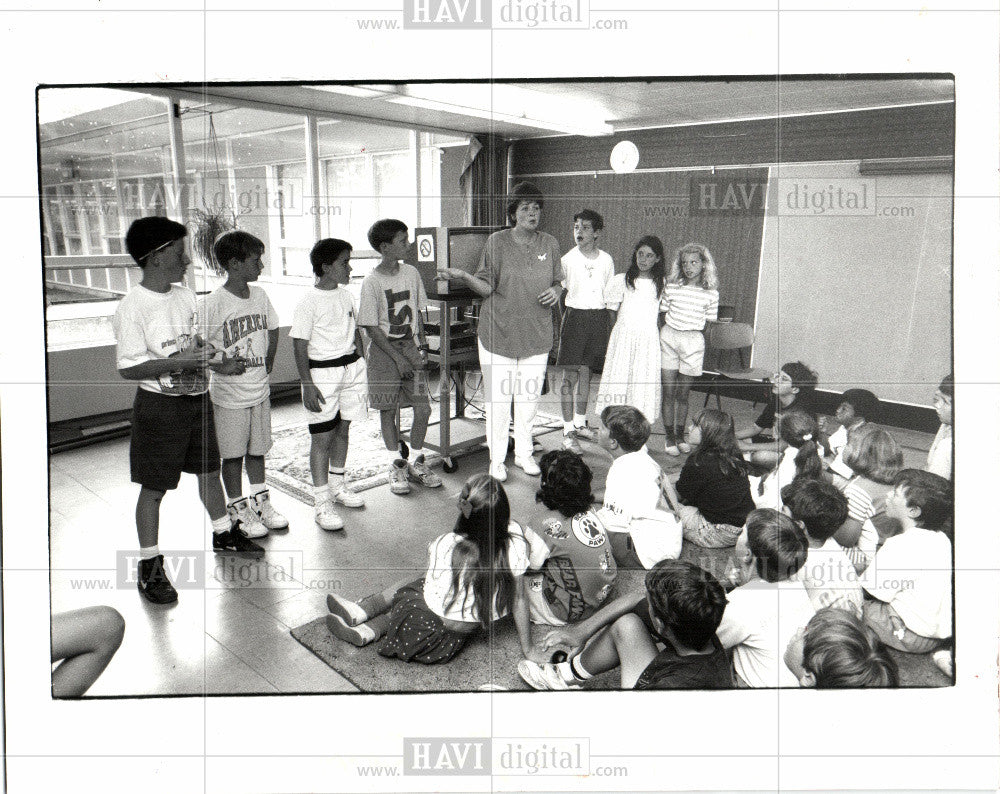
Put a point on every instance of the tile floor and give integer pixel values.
(231, 635)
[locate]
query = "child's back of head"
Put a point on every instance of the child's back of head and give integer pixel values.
(565, 483)
(147, 235)
(820, 507)
(777, 543)
(799, 429)
(238, 245)
(873, 453)
(931, 494)
(718, 444)
(863, 402)
(627, 426)
(839, 651)
(687, 599)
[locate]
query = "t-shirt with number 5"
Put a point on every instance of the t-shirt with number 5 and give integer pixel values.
(392, 301)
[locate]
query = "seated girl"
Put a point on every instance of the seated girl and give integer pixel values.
(474, 577)
(800, 458)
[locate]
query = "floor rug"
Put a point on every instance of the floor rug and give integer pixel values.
(288, 459)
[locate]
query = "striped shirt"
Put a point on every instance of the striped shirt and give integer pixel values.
(688, 307)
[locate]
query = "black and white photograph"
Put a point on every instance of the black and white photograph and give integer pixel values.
(365, 405)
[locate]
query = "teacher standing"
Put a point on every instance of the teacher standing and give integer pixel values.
(520, 278)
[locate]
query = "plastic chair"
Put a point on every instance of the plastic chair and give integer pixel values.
(725, 337)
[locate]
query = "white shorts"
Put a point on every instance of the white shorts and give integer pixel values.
(243, 431)
(345, 390)
(683, 351)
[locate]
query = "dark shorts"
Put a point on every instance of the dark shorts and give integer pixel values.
(387, 390)
(416, 634)
(583, 340)
(171, 435)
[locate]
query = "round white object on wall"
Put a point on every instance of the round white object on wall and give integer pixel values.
(624, 157)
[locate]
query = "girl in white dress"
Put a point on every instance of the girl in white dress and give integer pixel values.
(632, 365)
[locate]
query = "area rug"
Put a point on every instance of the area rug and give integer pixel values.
(288, 459)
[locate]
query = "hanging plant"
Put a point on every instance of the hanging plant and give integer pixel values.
(208, 225)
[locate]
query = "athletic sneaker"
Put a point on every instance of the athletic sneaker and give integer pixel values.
(352, 614)
(153, 583)
(234, 541)
(250, 523)
(498, 472)
(671, 444)
(528, 465)
(420, 472)
(356, 635)
(572, 443)
(269, 517)
(327, 517)
(945, 661)
(398, 482)
(543, 676)
(585, 433)
(682, 445)
(347, 497)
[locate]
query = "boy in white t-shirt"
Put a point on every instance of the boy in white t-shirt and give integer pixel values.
(765, 613)
(939, 456)
(586, 324)
(239, 320)
(158, 345)
(910, 579)
(327, 347)
(641, 533)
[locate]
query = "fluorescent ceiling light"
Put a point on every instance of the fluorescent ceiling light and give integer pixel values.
(349, 90)
(567, 126)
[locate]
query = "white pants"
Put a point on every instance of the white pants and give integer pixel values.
(505, 378)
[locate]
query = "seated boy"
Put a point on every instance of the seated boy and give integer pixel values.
(910, 579)
(239, 320)
(857, 407)
(685, 605)
(939, 457)
(792, 389)
(572, 570)
(764, 614)
(392, 299)
(641, 533)
(156, 328)
(836, 650)
(327, 346)
(828, 574)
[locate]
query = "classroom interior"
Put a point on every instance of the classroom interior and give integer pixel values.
(826, 203)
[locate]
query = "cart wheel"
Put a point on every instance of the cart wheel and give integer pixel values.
(450, 466)
(404, 451)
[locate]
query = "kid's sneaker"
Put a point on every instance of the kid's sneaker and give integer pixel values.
(250, 524)
(585, 433)
(234, 541)
(571, 442)
(543, 676)
(327, 517)
(398, 479)
(347, 497)
(352, 614)
(153, 583)
(420, 472)
(356, 635)
(498, 471)
(682, 445)
(528, 465)
(269, 517)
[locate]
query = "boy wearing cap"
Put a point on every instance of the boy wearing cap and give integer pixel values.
(173, 428)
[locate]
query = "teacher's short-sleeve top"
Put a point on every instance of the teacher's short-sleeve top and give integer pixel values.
(512, 323)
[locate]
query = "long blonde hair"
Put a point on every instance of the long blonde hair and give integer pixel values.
(709, 277)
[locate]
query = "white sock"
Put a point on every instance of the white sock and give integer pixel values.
(576, 670)
(320, 494)
(148, 552)
(256, 488)
(579, 420)
(220, 525)
(568, 427)
(336, 482)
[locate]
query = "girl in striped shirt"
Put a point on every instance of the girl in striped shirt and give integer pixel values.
(690, 299)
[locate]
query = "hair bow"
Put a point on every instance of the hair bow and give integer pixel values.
(807, 437)
(465, 506)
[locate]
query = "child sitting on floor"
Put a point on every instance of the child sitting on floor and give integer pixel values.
(575, 567)
(836, 650)
(875, 459)
(800, 458)
(792, 389)
(764, 614)
(713, 490)
(828, 575)
(857, 407)
(939, 456)
(474, 577)
(683, 607)
(911, 578)
(641, 533)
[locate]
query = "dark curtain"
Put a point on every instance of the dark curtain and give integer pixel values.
(484, 180)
